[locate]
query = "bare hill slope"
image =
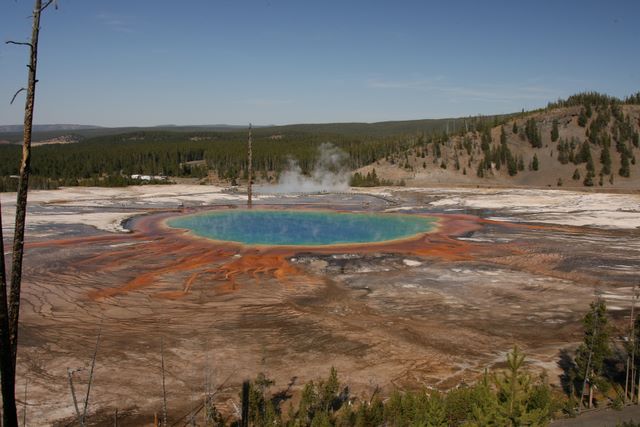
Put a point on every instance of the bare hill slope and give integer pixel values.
(601, 146)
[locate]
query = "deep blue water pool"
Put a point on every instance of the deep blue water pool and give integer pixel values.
(302, 228)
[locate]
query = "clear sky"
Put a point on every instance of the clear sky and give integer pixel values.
(142, 62)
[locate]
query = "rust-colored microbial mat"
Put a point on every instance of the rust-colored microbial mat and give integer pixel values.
(433, 309)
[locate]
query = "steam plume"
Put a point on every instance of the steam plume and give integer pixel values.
(330, 173)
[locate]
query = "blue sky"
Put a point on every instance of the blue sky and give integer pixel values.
(135, 62)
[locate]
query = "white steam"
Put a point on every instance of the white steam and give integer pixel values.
(329, 174)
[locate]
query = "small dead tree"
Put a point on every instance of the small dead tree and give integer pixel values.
(164, 390)
(249, 169)
(631, 357)
(10, 304)
(82, 416)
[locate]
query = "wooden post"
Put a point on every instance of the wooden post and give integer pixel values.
(249, 169)
(244, 421)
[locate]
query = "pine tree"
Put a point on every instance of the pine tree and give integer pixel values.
(514, 389)
(595, 348)
(554, 131)
(576, 175)
(534, 163)
(514, 129)
(625, 169)
(605, 159)
(582, 118)
(532, 133)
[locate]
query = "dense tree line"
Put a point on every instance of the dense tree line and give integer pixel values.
(593, 99)
(110, 159)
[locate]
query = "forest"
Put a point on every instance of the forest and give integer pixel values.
(105, 158)
(110, 160)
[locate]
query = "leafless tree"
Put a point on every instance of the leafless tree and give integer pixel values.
(82, 416)
(164, 390)
(10, 301)
(250, 169)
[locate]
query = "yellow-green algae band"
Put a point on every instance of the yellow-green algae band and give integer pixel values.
(303, 227)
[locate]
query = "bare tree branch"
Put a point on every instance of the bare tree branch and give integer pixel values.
(48, 3)
(93, 364)
(16, 94)
(73, 395)
(19, 43)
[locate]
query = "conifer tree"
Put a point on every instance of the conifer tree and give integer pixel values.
(576, 175)
(554, 131)
(582, 118)
(514, 390)
(534, 163)
(625, 169)
(595, 348)
(605, 159)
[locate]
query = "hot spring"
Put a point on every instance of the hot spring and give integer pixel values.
(302, 227)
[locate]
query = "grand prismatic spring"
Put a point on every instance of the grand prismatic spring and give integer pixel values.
(446, 281)
(302, 228)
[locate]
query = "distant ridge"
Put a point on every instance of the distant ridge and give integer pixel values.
(47, 128)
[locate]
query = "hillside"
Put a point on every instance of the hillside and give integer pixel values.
(610, 132)
(588, 140)
(13, 133)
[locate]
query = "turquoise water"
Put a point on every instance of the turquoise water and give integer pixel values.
(307, 228)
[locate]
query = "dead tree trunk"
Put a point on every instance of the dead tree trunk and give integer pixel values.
(588, 368)
(249, 169)
(633, 341)
(10, 311)
(9, 413)
(24, 406)
(73, 397)
(93, 365)
(244, 419)
(164, 391)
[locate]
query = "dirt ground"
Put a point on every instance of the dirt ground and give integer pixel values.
(434, 311)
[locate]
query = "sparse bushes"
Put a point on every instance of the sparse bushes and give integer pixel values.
(369, 180)
(510, 397)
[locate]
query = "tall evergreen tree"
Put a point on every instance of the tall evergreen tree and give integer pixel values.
(595, 347)
(554, 131)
